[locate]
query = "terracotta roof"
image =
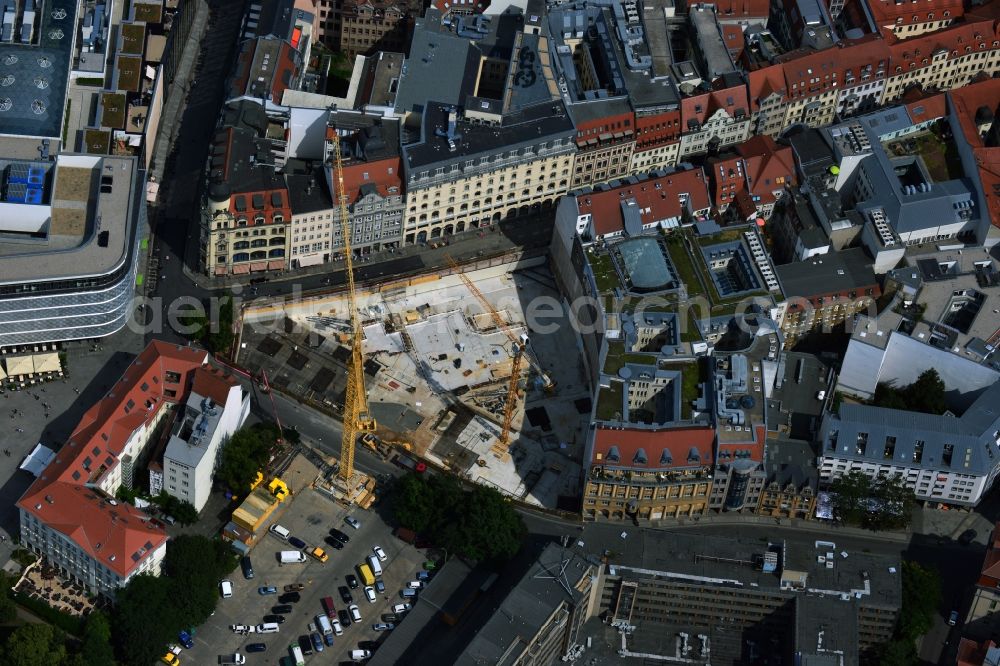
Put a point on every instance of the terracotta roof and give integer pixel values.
(958, 40)
(727, 9)
(110, 533)
(808, 73)
(660, 195)
(674, 448)
(702, 107)
(733, 37)
(922, 107)
(728, 176)
(213, 383)
(966, 103)
(764, 82)
(461, 6)
(971, 653)
(766, 162)
(885, 12)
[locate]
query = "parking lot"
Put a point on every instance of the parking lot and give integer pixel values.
(309, 517)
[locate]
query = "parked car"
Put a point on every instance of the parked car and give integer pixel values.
(294, 587)
(401, 608)
(234, 659)
(242, 628)
(967, 537)
(345, 594)
(185, 639)
(337, 627)
(170, 658)
(379, 586)
(339, 536)
(225, 588)
(352, 581)
(333, 543)
(355, 612)
(353, 522)
(317, 641)
(379, 553)
(282, 609)
(297, 542)
(423, 576)
(390, 617)
(280, 619)
(265, 590)
(247, 567)
(429, 565)
(256, 647)
(290, 598)
(305, 644)
(383, 626)
(344, 617)
(370, 593)
(318, 554)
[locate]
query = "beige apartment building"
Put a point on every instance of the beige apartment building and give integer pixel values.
(468, 171)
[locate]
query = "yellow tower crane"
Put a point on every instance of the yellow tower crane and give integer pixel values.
(357, 420)
(519, 349)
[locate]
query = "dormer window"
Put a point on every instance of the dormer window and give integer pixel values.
(640, 458)
(694, 455)
(666, 458)
(614, 455)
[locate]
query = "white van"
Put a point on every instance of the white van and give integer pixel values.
(280, 532)
(360, 655)
(375, 565)
(297, 654)
(414, 585)
(408, 593)
(267, 628)
(226, 589)
(291, 557)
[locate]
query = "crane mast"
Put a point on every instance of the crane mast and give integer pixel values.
(519, 347)
(356, 416)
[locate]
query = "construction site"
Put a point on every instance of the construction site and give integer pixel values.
(439, 352)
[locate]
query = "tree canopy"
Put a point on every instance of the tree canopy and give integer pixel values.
(926, 395)
(246, 452)
(921, 588)
(150, 611)
(880, 503)
(34, 645)
(478, 523)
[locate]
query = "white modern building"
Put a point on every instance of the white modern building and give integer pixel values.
(215, 409)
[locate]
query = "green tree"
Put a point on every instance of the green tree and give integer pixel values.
(96, 647)
(895, 501)
(927, 393)
(921, 598)
(219, 337)
(850, 492)
(244, 454)
(145, 619)
(8, 609)
(34, 645)
(478, 524)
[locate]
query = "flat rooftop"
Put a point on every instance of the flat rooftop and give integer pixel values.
(725, 562)
(34, 76)
(91, 223)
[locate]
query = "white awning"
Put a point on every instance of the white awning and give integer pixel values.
(38, 459)
(46, 362)
(19, 365)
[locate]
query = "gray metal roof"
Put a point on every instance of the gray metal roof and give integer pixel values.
(828, 273)
(34, 76)
(920, 440)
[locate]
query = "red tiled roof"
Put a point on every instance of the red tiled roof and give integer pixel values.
(766, 162)
(728, 177)
(990, 573)
(808, 73)
(702, 107)
(885, 12)
(764, 82)
(660, 195)
(674, 448)
(922, 108)
(958, 40)
(733, 37)
(727, 9)
(112, 533)
(966, 103)
(461, 6)
(971, 653)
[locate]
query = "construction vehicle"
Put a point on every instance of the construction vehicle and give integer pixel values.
(357, 419)
(519, 352)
